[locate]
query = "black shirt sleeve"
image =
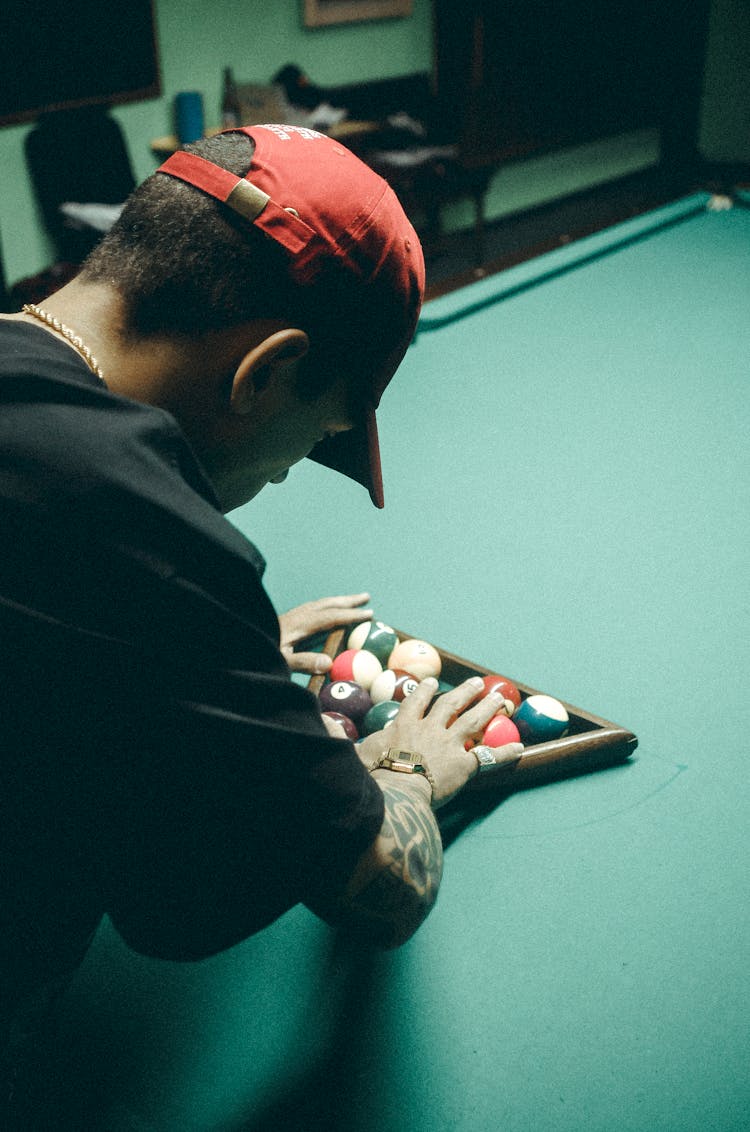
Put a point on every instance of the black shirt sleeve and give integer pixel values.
(158, 750)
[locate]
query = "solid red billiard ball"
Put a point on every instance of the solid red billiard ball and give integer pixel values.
(357, 665)
(506, 688)
(540, 719)
(393, 684)
(416, 657)
(499, 731)
(347, 697)
(346, 723)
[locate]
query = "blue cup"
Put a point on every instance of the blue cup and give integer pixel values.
(188, 107)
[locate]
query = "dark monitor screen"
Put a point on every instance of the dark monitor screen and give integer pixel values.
(524, 76)
(67, 53)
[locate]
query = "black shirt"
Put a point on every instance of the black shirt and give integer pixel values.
(157, 763)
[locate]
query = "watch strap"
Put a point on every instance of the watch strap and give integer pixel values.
(404, 762)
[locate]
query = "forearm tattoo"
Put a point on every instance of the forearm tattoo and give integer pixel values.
(399, 897)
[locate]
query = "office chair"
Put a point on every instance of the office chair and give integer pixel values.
(77, 156)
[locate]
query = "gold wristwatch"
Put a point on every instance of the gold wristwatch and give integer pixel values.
(404, 762)
(407, 762)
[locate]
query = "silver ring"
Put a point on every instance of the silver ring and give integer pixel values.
(485, 757)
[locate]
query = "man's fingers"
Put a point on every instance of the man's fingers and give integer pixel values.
(503, 758)
(324, 613)
(344, 600)
(473, 721)
(334, 728)
(416, 703)
(314, 663)
(448, 707)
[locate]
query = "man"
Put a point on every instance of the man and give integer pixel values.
(159, 765)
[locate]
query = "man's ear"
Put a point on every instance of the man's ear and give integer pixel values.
(261, 363)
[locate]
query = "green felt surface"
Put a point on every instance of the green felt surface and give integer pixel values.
(567, 490)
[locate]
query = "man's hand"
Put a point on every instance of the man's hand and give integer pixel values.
(315, 617)
(438, 730)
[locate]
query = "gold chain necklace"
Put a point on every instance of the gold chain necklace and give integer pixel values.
(74, 339)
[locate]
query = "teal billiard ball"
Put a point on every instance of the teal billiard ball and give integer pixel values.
(541, 719)
(379, 716)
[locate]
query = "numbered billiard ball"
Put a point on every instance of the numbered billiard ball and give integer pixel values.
(540, 719)
(357, 665)
(393, 684)
(347, 724)
(375, 637)
(506, 688)
(347, 697)
(499, 731)
(416, 657)
(380, 716)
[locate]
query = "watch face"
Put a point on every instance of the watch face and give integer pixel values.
(402, 756)
(407, 762)
(404, 761)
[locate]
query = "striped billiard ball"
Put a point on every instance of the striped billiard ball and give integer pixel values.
(357, 665)
(393, 684)
(375, 637)
(506, 688)
(540, 719)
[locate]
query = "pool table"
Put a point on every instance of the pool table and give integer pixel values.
(566, 454)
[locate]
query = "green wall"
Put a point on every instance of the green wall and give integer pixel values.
(198, 40)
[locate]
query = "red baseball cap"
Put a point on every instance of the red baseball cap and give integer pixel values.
(336, 218)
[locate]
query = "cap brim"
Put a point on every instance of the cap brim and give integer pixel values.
(355, 454)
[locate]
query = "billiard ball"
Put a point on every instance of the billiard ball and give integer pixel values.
(506, 688)
(417, 657)
(374, 636)
(380, 716)
(393, 684)
(347, 697)
(540, 719)
(357, 665)
(346, 723)
(499, 731)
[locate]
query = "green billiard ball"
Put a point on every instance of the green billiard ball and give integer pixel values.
(375, 637)
(380, 716)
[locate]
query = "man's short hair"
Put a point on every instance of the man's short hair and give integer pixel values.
(185, 265)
